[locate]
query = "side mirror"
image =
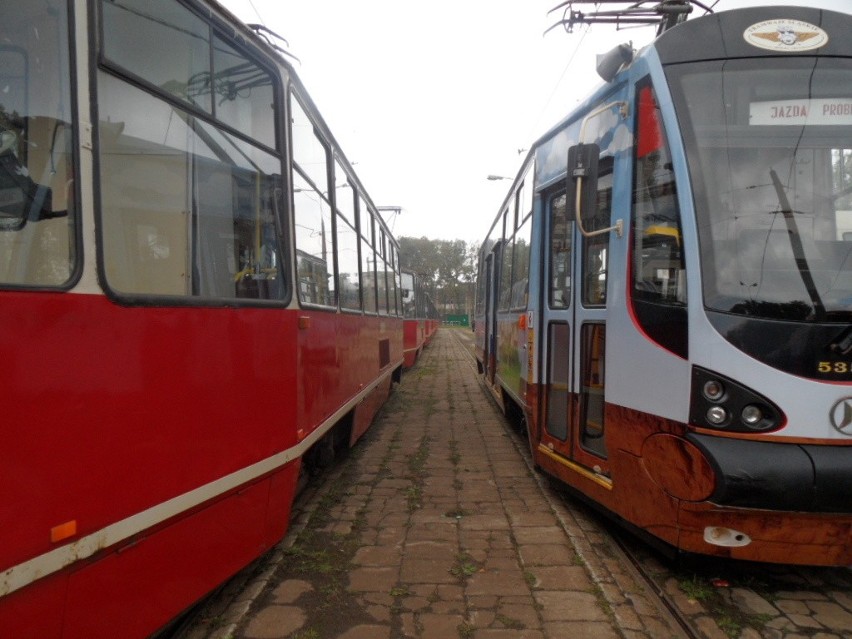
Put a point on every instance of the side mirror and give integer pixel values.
(582, 188)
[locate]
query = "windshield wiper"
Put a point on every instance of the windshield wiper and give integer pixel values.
(798, 249)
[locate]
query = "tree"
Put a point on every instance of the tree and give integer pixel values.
(447, 269)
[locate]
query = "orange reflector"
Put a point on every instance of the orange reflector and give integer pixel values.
(304, 322)
(63, 531)
(522, 321)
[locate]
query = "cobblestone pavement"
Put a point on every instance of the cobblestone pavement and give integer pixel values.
(435, 528)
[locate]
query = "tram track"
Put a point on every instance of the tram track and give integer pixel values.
(704, 597)
(639, 572)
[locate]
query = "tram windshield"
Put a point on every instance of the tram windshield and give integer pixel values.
(37, 239)
(769, 145)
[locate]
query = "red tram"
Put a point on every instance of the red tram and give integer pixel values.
(665, 294)
(198, 295)
(420, 317)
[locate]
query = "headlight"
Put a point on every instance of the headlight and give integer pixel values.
(719, 402)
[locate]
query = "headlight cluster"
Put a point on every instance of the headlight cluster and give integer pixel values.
(720, 403)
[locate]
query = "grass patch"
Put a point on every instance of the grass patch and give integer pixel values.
(400, 591)
(511, 624)
(731, 619)
(464, 567)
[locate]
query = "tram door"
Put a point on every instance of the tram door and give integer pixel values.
(573, 374)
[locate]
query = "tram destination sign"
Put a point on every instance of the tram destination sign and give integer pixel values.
(814, 112)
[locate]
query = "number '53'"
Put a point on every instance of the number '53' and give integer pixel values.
(833, 367)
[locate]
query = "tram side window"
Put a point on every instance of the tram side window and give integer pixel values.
(38, 223)
(243, 94)
(312, 214)
(523, 236)
(348, 275)
(479, 307)
(507, 252)
(521, 265)
(409, 307)
(178, 60)
(393, 281)
(216, 77)
(381, 272)
(314, 248)
(561, 231)
(308, 151)
(595, 248)
(187, 209)
(659, 273)
(368, 260)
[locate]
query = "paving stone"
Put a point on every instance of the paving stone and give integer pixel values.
(500, 633)
(487, 550)
(274, 622)
(584, 629)
(831, 615)
(560, 577)
(289, 591)
(751, 602)
(546, 554)
(569, 606)
(373, 579)
(367, 632)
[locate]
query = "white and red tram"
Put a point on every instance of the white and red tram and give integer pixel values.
(666, 292)
(196, 292)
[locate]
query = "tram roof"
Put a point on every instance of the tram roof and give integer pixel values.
(721, 35)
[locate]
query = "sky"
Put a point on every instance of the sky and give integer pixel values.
(427, 99)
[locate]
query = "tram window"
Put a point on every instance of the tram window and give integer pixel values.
(393, 281)
(659, 273)
(344, 194)
(179, 62)
(841, 164)
(592, 393)
(595, 248)
(506, 262)
(349, 279)
(314, 247)
(368, 260)
(38, 224)
(767, 143)
(308, 151)
(382, 283)
(243, 94)
(521, 249)
(348, 275)
(521, 265)
(187, 209)
(561, 232)
(558, 384)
